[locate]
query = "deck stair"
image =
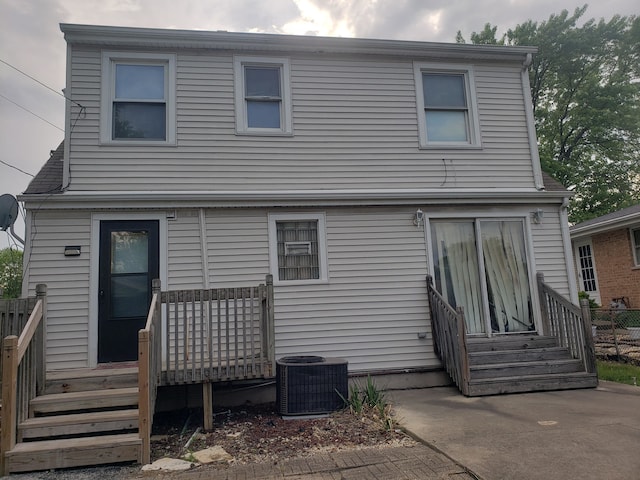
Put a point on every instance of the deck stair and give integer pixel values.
(85, 417)
(523, 363)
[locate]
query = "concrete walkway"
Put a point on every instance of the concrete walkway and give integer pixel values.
(574, 434)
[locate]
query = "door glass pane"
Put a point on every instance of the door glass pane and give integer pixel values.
(505, 262)
(446, 126)
(129, 252)
(456, 269)
(129, 295)
(139, 120)
(263, 114)
(140, 82)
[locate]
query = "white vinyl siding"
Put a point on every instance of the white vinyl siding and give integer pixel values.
(67, 280)
(551, 259)
(352, 115)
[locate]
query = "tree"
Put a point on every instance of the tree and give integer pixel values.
(585, 86)
(10, 273)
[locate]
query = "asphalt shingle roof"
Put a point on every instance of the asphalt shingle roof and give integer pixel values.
(625, 212)
(49, 179)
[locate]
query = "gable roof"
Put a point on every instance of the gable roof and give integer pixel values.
(49, 179)
(551, 184)
(611, 221)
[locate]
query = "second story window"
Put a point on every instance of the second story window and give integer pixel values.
(137, 99)
(263, 105)
(446, 106)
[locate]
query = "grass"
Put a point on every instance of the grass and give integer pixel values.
(369, 399)
(619, 372)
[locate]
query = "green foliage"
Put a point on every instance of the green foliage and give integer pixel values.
(10, 273)
(586, 99)
(592, 303)
(369, 399)
(618, 372)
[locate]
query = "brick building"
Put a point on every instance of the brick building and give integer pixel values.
(607, 257)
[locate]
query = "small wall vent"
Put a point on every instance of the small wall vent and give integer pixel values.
(308, 385)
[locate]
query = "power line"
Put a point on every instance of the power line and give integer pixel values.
(39, 82)
(32, 113)
(16, 168)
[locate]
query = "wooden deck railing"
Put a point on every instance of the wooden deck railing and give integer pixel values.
(218, 334)
(149, 366)
(450, 339)
(14, 313)
(568, 323)
(23, 372)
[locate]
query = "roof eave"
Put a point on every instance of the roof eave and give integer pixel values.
(110, 36)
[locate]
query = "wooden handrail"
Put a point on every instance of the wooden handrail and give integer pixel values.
(450, 337)
(23, 352)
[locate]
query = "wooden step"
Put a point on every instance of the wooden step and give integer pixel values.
(511, 342)
(78, 424)
(523, 369)
(510, 356)
(532, 383)
(74, 452)
(90, 400)
(86, 379)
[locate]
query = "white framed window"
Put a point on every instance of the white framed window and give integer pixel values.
(262, 95)
(635, 244)
(446, 106)
(138, 98)
(297, 248)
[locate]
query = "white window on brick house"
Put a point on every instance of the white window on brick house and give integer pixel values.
(635, 242)
(297, 248)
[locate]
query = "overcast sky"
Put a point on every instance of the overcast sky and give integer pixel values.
(30, 40)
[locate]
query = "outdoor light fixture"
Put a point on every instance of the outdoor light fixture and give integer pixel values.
(418, 219)
(72, 251)
(536, 216)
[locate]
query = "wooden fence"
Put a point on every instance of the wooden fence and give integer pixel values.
(450, 338)
(14, 314)
(23, 370)
(569, 324)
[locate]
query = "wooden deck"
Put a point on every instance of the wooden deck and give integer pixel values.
(105, 415)
(562, 358)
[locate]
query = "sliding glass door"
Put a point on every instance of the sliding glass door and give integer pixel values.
(481, 265)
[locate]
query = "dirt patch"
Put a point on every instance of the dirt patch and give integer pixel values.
(258, 434)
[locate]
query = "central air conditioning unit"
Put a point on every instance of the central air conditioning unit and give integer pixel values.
(309, 385)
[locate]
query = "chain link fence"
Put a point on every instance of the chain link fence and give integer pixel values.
(616, 334)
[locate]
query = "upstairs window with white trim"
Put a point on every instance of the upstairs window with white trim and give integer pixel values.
(446, 106)
(262, 95)
(635, 242)
(297, 248)
(138, 99)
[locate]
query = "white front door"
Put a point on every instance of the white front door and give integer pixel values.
(586, 266)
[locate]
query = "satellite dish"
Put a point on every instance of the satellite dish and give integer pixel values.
(8, 211)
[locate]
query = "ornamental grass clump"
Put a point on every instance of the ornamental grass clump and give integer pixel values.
(369, 400)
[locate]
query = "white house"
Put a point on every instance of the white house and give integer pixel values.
(348, 169)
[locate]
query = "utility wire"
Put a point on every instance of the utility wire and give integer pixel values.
(16, 168)
(32, 113)
(39, 82)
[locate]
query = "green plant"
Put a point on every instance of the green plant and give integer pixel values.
(592, 303)
(618, 372)
(369, 399)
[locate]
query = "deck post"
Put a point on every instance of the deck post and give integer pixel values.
(464, 354)
(589, 349)
(270, 325)
(144, 401)
(41, 367)
(207, 404)
(544, 310)
(9, 398)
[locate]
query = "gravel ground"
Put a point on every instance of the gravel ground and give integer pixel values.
(250, 435)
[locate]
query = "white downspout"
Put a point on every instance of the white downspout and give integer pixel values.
(568, 252)
(531, 123)
(203, 248)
